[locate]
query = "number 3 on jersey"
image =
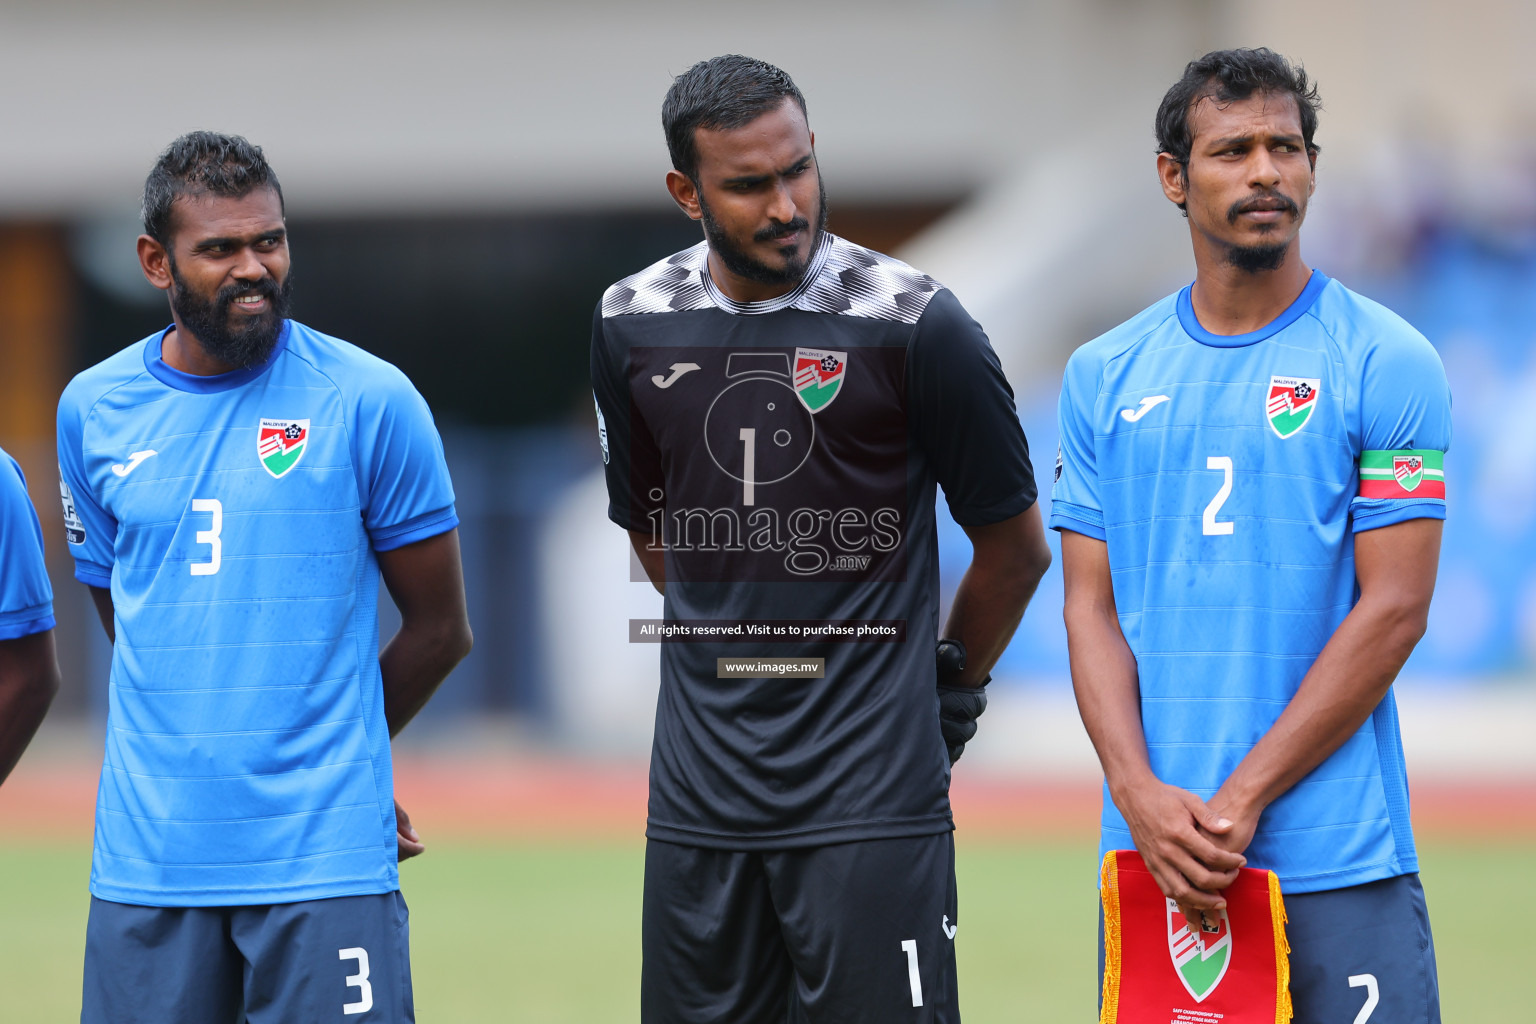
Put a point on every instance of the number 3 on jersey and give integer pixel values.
(1208, 524)
(209, 536)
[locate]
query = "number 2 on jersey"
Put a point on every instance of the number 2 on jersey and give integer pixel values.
(210, 536)
(1208, 524)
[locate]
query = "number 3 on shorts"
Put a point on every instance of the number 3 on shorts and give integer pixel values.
(358, 981)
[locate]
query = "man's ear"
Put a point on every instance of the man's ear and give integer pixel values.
(155, 262)
(685, 193)
(1173, 175)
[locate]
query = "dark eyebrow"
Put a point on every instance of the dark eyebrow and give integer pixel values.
(1244, 140)
(758, 179)
(208, 243)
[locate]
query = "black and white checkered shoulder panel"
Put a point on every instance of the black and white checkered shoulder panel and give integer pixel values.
(843, 279)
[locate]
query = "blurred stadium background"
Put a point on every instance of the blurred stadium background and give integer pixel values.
(464, 178)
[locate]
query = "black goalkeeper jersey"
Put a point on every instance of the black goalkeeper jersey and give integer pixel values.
(786, 453)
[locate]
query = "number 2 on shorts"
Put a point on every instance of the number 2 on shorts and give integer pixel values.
(1372, 996)
(358, 981)
(909, 946)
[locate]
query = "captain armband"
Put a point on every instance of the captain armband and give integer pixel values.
(1402, 474)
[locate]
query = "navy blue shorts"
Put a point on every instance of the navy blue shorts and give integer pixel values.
(1359, 955)
(857, 933)
(334, 961)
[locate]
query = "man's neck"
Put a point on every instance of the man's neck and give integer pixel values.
(1231, 301)
(181, 351)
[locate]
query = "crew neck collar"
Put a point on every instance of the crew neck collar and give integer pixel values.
(730, 305)
(168, 375)
(1292, 313)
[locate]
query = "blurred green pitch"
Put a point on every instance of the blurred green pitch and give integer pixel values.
(549, 932)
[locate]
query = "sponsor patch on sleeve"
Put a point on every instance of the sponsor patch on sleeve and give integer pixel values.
(1402, 474)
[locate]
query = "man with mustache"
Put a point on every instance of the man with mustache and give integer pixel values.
(234, 486)
(1250, 492)
(777, 408)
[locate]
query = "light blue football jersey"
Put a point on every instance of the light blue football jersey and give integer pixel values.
(235, 519)
(1224, 474)
(26, 598)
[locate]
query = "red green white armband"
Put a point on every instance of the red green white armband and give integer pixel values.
(1402, 474)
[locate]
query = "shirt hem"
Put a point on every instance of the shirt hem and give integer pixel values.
(421, 528)
(92, 575)
(1432, 509)
(239, 897)
(1062, 521)
(993, 514)
(822, 835)
(17, 630)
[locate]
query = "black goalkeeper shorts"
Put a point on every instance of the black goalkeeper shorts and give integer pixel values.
(857, 932)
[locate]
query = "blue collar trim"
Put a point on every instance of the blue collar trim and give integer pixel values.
(1315, 285)
(172, 377)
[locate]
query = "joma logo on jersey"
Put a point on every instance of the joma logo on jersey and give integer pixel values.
(1290, 402)
(280, 444)
(1200, 961)
(819, 376)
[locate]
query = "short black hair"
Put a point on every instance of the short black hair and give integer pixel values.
(720, 93)
(1227, 76)
(203, 163)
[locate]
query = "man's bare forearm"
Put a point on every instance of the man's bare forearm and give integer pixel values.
(427, 583)
(1396, 566)
(652, 560)
(1108, 695)
(29, 679)
(1007, 561)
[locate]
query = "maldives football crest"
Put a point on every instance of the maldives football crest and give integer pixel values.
(1408, 471)
(1290, 403)
(1201, 962)
(280, 444)
(819, 376)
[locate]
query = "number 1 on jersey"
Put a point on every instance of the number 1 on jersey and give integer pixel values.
(749, 465)
(1208, 524)
(210, 536)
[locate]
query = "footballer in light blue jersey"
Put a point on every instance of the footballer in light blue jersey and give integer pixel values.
(26, 598)
(29, 672)
(234, 486)
(1230, 526)
(235, 519)
(1250, 491)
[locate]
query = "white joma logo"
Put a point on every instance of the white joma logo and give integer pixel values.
(678, 369)
(133, 462)
(949, 929)
(1132, 415)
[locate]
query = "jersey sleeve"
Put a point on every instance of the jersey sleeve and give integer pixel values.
(1075, 501)
(631, 458)
(1405, 430)
(407, 495)
(965, 419)
(26, 599)
(90, 530)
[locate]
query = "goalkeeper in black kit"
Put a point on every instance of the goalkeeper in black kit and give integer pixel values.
(778, 408)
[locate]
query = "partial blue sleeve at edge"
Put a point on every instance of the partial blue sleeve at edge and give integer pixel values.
(1087, 521)
(93, 575)
(17, 630)
(412, 530)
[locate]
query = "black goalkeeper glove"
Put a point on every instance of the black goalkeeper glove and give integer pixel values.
(959, 706)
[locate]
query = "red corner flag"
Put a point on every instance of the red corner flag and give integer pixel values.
(1156, 972)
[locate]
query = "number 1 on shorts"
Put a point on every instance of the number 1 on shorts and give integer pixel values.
(909, 946)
